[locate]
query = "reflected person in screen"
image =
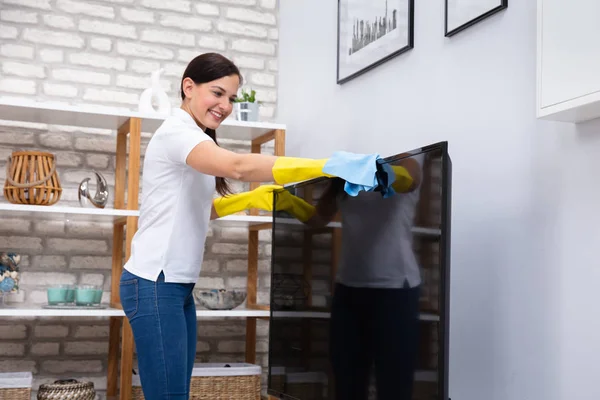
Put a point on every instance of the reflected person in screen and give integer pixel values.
(375, 305)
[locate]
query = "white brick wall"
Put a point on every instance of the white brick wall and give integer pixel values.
(89, 43)
(101, 52)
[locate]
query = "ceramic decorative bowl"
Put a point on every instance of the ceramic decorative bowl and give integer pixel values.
(220, 299)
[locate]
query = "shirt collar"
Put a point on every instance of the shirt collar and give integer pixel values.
(185, 117)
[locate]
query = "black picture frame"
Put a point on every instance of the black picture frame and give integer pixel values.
(378, 55)
(448, 32)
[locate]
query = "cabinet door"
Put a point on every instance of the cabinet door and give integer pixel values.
(570, 50)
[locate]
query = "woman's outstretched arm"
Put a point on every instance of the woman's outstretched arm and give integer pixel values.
(211, 159)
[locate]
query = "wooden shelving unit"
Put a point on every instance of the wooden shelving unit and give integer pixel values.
(124, 216)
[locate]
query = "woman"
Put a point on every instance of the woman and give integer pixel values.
(183, 167)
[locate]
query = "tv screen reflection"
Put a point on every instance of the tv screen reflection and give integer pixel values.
(359, 292)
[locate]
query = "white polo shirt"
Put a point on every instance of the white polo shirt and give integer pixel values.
(176, 205)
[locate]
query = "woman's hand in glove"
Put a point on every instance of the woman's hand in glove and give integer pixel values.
(262, 198)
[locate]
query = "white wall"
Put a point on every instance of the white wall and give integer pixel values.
(525, 193)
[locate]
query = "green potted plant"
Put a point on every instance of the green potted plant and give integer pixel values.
(246, 106)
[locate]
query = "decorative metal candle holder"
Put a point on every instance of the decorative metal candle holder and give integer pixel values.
(100, 198)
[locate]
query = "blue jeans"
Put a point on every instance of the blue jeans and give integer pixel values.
(163, 319)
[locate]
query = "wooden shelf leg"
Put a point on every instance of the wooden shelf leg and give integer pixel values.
(251, 340)
(113, 357)
(252, 286)
(133, 189)
(117, 267)
(127, 171)
(251, 296)
(279, 142)
(126, 361)
(335, 255)
(133, 179)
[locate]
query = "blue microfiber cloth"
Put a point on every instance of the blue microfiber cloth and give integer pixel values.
(386, 177)
(362, 172)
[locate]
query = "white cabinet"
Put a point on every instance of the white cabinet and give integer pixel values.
(568, 60)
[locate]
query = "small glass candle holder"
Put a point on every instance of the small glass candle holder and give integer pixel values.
(70, 294)
(58, 294)
(85, 295)
(98, 297)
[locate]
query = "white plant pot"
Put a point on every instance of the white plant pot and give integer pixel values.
(246, 111)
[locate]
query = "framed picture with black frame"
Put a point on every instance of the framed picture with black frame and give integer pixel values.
(371, 32)
(461, 14)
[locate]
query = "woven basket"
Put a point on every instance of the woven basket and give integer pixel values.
(15, 385)
(217, 382)
(69, 389)
(31, 178)
(15, 394)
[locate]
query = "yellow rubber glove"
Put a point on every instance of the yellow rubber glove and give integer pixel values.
(262, 198)
(292, 169)
(295, 205)
(403, 180)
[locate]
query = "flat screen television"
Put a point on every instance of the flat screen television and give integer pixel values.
(359, 293)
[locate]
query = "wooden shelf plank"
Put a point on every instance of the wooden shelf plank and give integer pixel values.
(110, 118)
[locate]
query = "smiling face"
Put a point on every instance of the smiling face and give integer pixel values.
(211, 102)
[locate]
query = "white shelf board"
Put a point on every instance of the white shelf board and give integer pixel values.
(106, 118)
(238, 312)
(429, 317)
(417, 230)
(302, 314)
(325, 315)
(17, 311)
(426, 376)
(243, 221)
(9, 210)
(103, 214)
(241, 130)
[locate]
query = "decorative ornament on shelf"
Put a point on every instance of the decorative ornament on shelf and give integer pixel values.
(220, 299)
(9, 273)
(155, 95)
(100, 198)
(31, 178)
(67, 389)
(246, 107)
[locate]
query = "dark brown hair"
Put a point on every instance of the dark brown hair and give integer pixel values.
(204, 68)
